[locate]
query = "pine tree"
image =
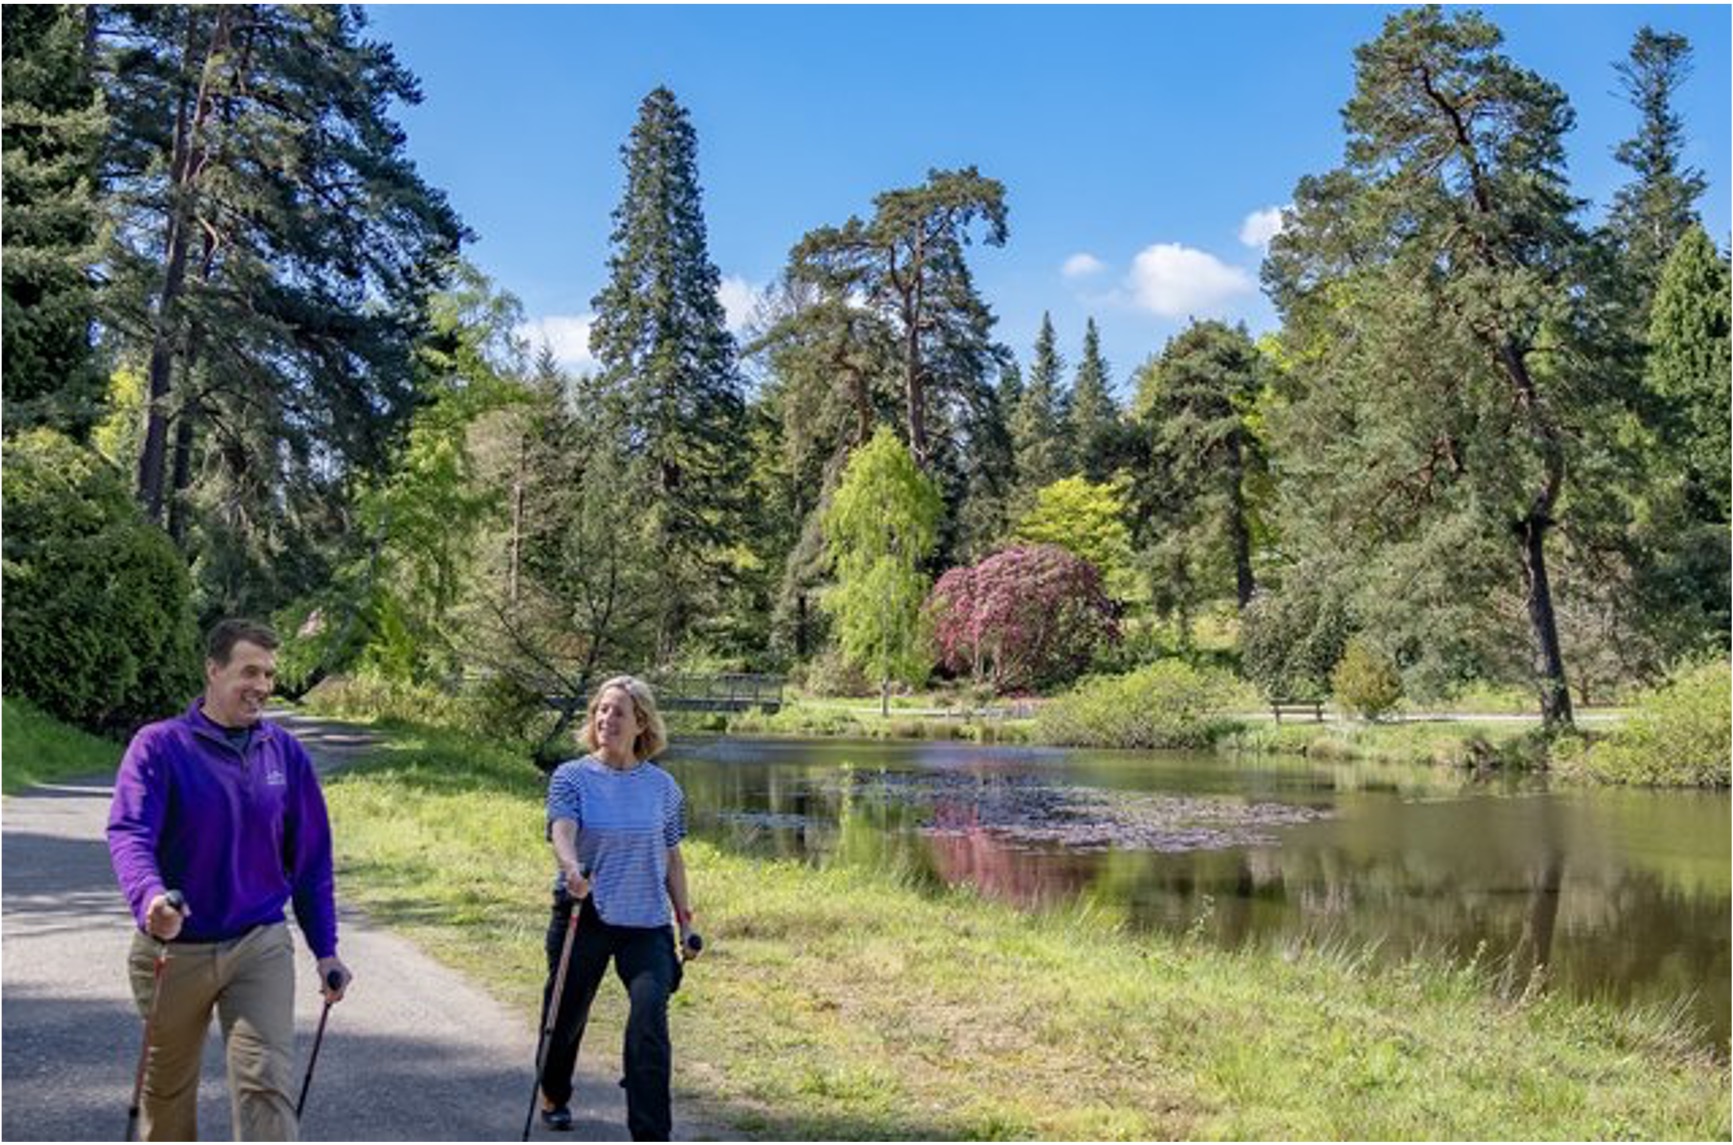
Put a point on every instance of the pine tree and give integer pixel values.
(906, 267)
(53, 128)
(1433, 290)
(1688, 365)
(1094, 417)
(668, 366)
(1038, 423)
(1197, 403)
(1651, 213)
(275, 251)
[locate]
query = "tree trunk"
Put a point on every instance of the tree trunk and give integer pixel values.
(914, 385)
(1555, 696)
(183, 464)
(1244, 585)
(185, 167)
(517, 518)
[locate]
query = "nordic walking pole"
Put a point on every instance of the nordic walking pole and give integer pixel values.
(553, 1009)
(178, 903)
(333, 979)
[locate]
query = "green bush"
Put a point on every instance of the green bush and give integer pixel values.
(1677, 737)
(1366, 681)
(99, 626)
(829, 674)
(370, 696)
(1169, 704)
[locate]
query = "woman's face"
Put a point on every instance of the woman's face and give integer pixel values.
(615, 728)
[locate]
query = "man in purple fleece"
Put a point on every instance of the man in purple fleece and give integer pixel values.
(224, 806)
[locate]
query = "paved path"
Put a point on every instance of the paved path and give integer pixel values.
(414, 1053)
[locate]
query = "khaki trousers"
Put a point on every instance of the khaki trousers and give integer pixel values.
(251, 983)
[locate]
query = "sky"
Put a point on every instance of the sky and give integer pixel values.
(1146, 151)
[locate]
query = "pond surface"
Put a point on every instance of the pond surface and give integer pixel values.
(1619, 894)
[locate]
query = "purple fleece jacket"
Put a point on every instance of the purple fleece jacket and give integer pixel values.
(239, 837)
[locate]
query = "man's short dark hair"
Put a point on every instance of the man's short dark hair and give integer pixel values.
(220, 644)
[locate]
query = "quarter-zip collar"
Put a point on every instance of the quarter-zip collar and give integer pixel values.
(208, 729)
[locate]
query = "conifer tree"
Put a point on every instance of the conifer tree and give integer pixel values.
(1195, 407)
(1094, 417)
(1433, 290)
(275, 250)
(1688, 365)
(668, 366)
(1038, 424)
(1651, 213)
(53, 122)
(906, 267)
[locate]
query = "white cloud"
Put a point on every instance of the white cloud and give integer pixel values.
(1176, 281)
(1261, 226)
(568, 335)
(1082, 265)
(738, 298)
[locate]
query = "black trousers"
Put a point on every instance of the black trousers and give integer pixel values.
(644, 959)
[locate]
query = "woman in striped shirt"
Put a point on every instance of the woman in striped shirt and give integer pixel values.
(616, 820)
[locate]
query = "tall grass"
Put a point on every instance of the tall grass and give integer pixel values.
(41, 749)
(851, 1002)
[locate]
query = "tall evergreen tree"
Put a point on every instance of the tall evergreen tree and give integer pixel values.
(1652, 212)
(828, 370)
(1038, 437)
(990, 475)
(906, 266)
(54, 123)
(668, 366)
(1433, 292)
(1688, 365)
(275, 250)
(1196, 406)
(1094, 416)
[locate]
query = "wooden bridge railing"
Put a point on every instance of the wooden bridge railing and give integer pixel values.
(721, 692)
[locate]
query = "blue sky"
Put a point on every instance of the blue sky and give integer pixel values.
(1140, 146)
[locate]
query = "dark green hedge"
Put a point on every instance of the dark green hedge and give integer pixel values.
(99, 629)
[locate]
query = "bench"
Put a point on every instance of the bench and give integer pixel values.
(1297, 708)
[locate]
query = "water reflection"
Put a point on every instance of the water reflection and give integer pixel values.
(1615, 893)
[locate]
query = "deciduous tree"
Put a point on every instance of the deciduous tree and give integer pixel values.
(879, 530)
(1029, 616)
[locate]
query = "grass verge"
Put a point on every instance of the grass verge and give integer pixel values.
(41, 749)
(849, 1003)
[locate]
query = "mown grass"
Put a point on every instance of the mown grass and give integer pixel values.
(851, 1003)
(40, 749)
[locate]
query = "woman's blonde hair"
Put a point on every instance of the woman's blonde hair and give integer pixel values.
(652, 732)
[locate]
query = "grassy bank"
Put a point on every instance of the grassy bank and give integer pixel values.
(861, 720)
(848, 1003)
(1453, 743)
(41, 749)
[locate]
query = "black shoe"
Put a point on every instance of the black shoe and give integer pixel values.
(558, 1118)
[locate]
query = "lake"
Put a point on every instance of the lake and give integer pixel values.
(1616, 893)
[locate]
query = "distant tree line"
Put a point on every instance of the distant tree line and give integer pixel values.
(1488, 443)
